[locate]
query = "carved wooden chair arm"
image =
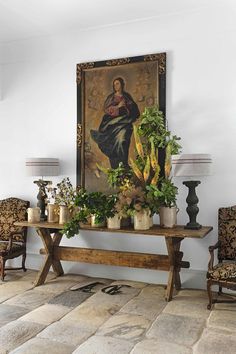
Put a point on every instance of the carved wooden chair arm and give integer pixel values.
(211, 250)
(11, 235)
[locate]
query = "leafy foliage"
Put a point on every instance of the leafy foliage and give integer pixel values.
(117, 177)
(165, 195)
(153, 127)
(71, 228)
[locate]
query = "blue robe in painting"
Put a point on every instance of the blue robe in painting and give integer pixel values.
(114, 133)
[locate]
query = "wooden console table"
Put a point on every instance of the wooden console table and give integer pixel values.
(172, 262)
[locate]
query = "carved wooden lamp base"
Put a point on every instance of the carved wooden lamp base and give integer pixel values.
(192, 208)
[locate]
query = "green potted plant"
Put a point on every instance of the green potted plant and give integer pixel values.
(132, 201)
(94, 204)
(112, 214)
(164, 198)
(63, 196)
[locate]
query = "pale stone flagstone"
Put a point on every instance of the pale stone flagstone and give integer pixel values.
(125, 326)
(189, 307)
(58, 285)
(223, 319)
(114, 301)
(90, 317)
(10, 313)
(104, 345)
(62, 332)
(153, 290)
(193, 293)
(133, 284)
(51, 318)
(149, 307)
(182, 330)
(42, 346)
(30, 299)
(46, 314)
(16, 333)
(216, 342)
(152, 346)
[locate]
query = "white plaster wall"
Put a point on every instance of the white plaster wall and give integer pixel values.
(1, 71)
(38, 117)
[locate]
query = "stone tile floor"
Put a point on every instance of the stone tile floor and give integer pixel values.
(55, 319)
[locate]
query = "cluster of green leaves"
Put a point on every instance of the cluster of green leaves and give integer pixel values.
(152, 127)
(94, 203)
(116, 177)
(110, 207)
(71, 228)
(165, 195)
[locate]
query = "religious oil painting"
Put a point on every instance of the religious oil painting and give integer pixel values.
(111, 96)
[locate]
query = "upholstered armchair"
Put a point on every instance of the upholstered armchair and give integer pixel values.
(12, 238)
(224, 273)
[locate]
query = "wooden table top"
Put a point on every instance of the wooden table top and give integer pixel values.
(156, 230)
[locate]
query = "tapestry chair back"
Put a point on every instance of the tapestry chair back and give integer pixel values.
(227, 233)
(12, 210)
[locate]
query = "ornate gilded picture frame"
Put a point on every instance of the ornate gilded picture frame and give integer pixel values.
(111, 95)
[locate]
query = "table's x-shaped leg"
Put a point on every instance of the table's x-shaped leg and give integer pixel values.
(49, 242)
(175, 257)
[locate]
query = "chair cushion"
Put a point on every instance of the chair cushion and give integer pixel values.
(223, 271)
(15, 247)
(11, 210)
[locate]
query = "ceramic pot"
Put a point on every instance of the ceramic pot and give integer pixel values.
(52, 210)
(114, 222)
(64, 214)
(93, 224)
(33, 214)
(168, 217)
(142, 220)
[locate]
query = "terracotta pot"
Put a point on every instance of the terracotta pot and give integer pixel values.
(114, 222)
(93, 224)
(168, 217)
(142, 220)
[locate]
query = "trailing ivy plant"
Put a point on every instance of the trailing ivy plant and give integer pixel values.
(72, 227)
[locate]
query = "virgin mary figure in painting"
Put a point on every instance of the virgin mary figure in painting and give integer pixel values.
(114, 133)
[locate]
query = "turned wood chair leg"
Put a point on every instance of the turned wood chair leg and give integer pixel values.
(209, 306)
(2, 268)
(23, 262)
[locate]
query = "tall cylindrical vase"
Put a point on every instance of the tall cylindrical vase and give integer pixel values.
(168, 217)
(142, 220)
(64, 214)
(114, 222)
(52, 210)
(94, 224)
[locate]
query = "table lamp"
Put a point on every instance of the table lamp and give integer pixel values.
(191, 165)
(42, 167)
